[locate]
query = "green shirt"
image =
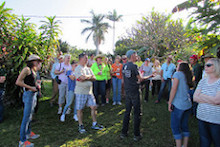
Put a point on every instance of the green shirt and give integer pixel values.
(96, 69)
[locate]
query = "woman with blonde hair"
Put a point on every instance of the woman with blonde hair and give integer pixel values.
(207, 94)
(157, 79)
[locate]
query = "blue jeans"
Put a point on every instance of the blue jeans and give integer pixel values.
(179, 123)
(132, 101)
(99, 88)
(209, 133)
(71, 96)
(29, 100)
(1, 105)
(116, 84)
(162, 87)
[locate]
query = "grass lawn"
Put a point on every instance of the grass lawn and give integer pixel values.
(155, 127)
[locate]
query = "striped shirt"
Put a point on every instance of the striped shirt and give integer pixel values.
(208, 112)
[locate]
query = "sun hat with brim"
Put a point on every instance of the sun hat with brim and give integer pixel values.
(61, 57)
(99, 56)
(129, 53)
(34, 57)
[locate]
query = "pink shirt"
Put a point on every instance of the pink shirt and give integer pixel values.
(63, 77)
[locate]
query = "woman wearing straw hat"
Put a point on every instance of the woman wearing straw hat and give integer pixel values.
(27, 80)
(98, 69)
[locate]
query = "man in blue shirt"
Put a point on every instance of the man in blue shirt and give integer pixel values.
(167, 70)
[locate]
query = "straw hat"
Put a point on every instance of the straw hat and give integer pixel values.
(34, 57)
(99, 56)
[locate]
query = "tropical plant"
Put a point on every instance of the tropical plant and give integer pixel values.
(207, 17)
(114, 17)
(19, 39)
(6, 30)
(63, 46)
(97, 28)
(49, 35)
(157, 34)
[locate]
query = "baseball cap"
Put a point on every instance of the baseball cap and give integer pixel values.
(194, 57)
(147, 59)
(129, 53)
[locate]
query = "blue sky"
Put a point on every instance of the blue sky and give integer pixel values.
(72, 27)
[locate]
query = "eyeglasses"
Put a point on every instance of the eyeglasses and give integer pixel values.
(208, 65)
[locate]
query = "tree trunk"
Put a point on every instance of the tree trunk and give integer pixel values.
(113, 43)
(97, 46)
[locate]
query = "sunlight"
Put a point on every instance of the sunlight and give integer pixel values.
(121, 112)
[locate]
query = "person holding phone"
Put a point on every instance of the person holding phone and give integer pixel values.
(63, 86)
(179, 104)
(28, 80)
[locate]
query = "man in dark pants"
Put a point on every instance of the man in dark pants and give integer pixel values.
(131, 82)
(167, 70)
(197, 76)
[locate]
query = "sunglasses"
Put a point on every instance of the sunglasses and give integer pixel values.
(124, 59)
(208, 65)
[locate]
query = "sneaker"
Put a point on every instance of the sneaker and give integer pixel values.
(62, 118)
(97, 127)
(119, 103)
(75, 117)
(123, 136)
(59, 110)
(137, 138)
(68, 111)
(26, 144)
(82, 129)
(114, 103)
(32, 136)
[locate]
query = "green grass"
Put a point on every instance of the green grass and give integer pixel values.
(155, 127)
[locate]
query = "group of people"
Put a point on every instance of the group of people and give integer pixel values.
(82, 82)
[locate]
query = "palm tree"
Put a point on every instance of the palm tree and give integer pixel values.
(97, 28)
(189, 4)
(114, 17)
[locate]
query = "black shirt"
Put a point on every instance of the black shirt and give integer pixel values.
(2, 73)
(30, 80)
(130, 73)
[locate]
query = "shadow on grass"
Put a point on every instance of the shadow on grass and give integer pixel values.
(155, 127)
